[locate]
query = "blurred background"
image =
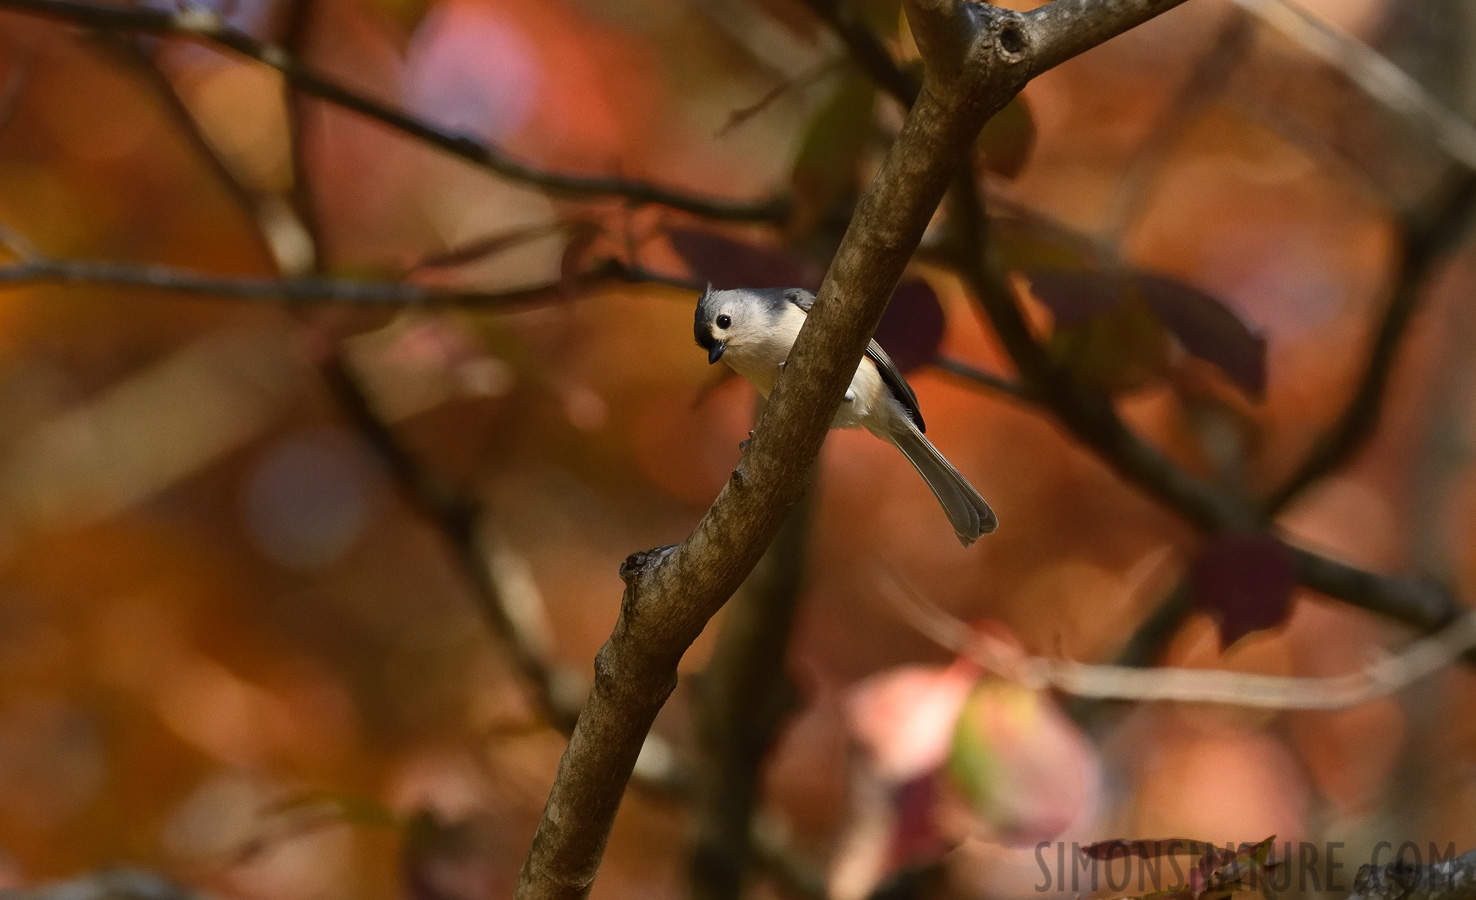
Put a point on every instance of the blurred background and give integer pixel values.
(241, 644)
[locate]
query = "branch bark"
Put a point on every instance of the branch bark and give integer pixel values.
(1452, 879)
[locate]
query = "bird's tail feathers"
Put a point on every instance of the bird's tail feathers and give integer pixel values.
(967, 512)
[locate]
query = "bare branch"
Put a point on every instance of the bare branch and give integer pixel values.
(1089, 417)
(979, 378)
(1205, 83)
(126, 50)
(1374, 74)
(1092, 420)
(301, 198)
(1065, 28)
(866, 49)
(672, 592)
(1425, 243)
(1417, 661)
(460, 517)
(41, 270)
(204, 26)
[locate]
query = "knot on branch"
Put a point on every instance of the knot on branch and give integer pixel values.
(638, 564)
(1011, 38)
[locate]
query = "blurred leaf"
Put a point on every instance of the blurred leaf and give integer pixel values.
(912, 327)
(905, 717)
(1245, 581)
(1122, 349)
(729, 263)
(973, 767)
(828, 167)
(1208, 329)
(461, 859)
(1102, 334)
(1007, 139)
(1023, 768)
(1032, 244)
(1076, 296)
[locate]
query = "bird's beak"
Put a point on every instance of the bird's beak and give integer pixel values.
(715, 353)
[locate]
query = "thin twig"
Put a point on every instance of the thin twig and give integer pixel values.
(1373, 73)
(301, 198)
(1425, 243)
(1418, 660)
(1204, 84)
(989, 380)
(798, 83)
(867, 49)
(204, 26)
(126, 49)
(42, 270)
(460, 517)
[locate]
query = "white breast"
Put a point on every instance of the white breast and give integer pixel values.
(758, 361)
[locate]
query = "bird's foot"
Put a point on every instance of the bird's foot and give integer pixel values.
(743, 445)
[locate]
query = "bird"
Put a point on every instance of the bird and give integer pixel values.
(753, 329)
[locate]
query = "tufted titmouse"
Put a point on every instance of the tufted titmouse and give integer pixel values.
(753, 329)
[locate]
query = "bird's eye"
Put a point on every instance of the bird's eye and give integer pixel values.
(724, 321)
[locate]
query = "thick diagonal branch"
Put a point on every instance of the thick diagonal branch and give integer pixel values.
(671, 594)
(978, 60)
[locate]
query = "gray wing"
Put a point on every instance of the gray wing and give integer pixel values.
(891, 375)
